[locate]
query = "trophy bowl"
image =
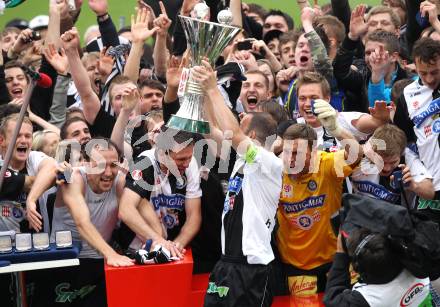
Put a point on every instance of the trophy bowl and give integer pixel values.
(205, 40)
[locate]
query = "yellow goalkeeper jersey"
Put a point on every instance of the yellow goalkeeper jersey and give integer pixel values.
(305, 237)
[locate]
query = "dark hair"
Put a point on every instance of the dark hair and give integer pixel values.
(8, 109)
(290, 36)
(110, 145)
(426, 50)
(67, 123)
(124, 29)
(398, 88)
(70, 112)
(287, 18)
(264, 126)
(168, 138)
(154, 84)
(301, 131)
(273, 108)
(373, 257)
(16, 64)
(390, 40)
(333, 25)
(257, 9)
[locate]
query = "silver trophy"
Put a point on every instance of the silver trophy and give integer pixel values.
(205, 40)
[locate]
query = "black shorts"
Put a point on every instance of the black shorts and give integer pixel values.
(76, 286)
(236, 283)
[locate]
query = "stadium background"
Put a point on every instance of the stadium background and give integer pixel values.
(120, 10)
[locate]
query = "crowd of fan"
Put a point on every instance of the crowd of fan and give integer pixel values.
(94, 154)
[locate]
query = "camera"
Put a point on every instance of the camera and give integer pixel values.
(35, 36)
(244, 45)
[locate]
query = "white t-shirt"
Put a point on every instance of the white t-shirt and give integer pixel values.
(345, 120)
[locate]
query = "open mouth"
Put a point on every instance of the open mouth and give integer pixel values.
(97, 82)
(303, 59)
(106, 180)
(252, 101)
(17, 91)
(308, 112)
(22, 149)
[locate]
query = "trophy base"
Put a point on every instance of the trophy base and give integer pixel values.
(189, 125)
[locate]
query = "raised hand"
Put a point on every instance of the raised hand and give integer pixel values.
(100, 7)
(381, 111)
(244, 57)
(105, 63)
(174, 71)
(379, 60)
(162, 22)
(70, 40)
(430, 11)
(205, 76)
(58, 60)
(358, 26)
(259, 47)
(59, 7)
(23, 41)
(328, 117)
(130, 97)
(187, 6)
(140, 29)
(152, 17)
(307, 16)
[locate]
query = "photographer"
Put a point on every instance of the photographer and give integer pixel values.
(384, 280)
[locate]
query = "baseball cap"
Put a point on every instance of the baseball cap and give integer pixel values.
(18, 23)
(39, 22)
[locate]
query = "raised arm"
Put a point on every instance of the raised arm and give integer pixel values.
(130, 99)
(140, 31)
(74, 200)
(327, 115)
(161, 53)
(237, 17)
(109, 34)
(321, 61)
(347, 77)
(89, 99)
(206, 77)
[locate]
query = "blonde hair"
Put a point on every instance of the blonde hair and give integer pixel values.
(12, 117)
(394, 139)
(39, 139)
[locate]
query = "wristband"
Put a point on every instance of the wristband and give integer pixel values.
(102, 17)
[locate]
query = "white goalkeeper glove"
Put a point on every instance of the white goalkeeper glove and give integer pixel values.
(327, 115)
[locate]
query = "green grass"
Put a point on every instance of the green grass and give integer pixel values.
(122, 9)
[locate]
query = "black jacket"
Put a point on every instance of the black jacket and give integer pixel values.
(338, 291)
(355, 82)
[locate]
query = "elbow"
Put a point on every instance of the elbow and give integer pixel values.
(122, 213)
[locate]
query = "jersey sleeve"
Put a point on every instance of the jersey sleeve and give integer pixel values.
(140, 178)
(193, 189)
(336, 164)
(418, 171)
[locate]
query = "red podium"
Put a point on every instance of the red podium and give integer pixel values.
(172, 285)
(167, 285)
